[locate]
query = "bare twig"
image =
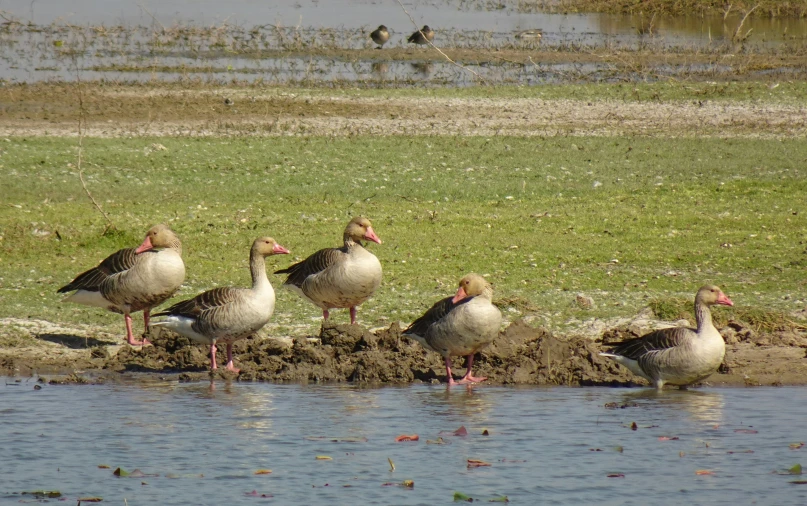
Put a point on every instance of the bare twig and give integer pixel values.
(82, 124)
(153, 17)
(737, 37)
(414, 23)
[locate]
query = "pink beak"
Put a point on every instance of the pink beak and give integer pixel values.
(460, 295)
(145, 246)
(280, 250)
(722, 299)
(370, 235)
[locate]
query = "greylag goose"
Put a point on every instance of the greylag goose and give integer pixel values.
(133, 279)
(228, 314)
(678, 355)
(422, 36)
(460, 325)
(380, 36)
(339, 277)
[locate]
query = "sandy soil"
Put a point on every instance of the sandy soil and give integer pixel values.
(113, 111)
(351, 353)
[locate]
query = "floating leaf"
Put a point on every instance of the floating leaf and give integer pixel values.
(633, 426)
(103, 466)
(438, 441)
(391, 465)
(796, 446)
(40, 494)
(58, 43)
(324, 457)
(90, 499)
(619, 449)
(406, 437)
(459, 496)
(798, 482)
(263, 471)
(616, 475)
(501, 498)
(337, 439)
(595, 449)
(795, 469)
(405, 483)
(740, 451)
(681, 454)
(746, 431)
(486, 433)
(120, 472)
(255, 493)
(462, 431)
(704, 472)
(665, 438)
(477, 463)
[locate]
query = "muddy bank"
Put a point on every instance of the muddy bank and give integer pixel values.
(522, 355)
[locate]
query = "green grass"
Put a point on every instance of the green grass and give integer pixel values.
(625, 220)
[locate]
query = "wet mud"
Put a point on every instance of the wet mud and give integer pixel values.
(521, 355)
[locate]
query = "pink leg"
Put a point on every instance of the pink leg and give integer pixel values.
(129, 336)
(230, 366)
(325, 314)
(470, 378)
(448, 372)
(213, 365)
(353, 315)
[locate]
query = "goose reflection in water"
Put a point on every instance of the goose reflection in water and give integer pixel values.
(702, 406)
(468, 402)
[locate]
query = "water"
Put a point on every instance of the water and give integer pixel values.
(205, 446)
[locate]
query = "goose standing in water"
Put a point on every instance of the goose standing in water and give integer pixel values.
(460, 325)
(133, 279)
(339, 277)
(228, 314)
(678, 355)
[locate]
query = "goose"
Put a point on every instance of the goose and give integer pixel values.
(227, 314)
(460, 325)
(380, 36)
(133, 279)
(422, 36)
(678, 355)
(339, 277)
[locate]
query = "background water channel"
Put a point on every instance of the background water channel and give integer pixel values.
(547, 446)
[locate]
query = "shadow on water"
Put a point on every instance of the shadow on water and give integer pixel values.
(702, 406)
(73, 341)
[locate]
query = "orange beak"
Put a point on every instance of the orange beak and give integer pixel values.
(145, 246)
(460, 295)
(370, 235)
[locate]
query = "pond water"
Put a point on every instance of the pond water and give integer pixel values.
(307, 41)
(545, 445)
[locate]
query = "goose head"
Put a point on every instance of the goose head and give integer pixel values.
(472, 285)
(266, 246)
(711, 295)
(360, 229)
(158, 237)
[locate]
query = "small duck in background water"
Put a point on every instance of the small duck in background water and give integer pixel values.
(380, 36)
(678, 355)
(460, 325)
(422, 36)
(531, 35)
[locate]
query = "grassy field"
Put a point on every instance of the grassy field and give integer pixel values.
(622, 219)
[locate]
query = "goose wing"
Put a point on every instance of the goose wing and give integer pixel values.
(91, 280)
(314, 264)
(652, 343)
(203, 305)
(437, 312)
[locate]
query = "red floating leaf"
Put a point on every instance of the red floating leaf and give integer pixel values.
(485, 432)
(477, 463)
(263, 471)
(704, 472)
(462, 431)
(665, 438)
(405, 437)
(616, 475)
(255, 493)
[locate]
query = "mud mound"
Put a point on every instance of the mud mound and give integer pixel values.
(520, 355)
